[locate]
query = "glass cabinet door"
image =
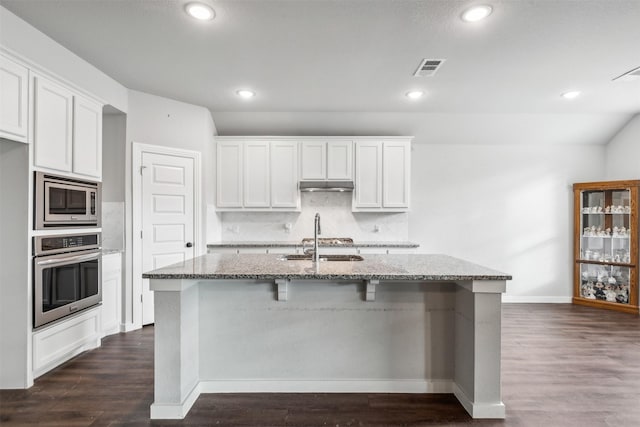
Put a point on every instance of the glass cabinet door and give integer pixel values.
(605, 251)
(605, 282)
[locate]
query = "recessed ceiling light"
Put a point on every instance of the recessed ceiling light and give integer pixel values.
(414, 94)
(571, 95)
(476, 13)
(245, 93)
(200, 11)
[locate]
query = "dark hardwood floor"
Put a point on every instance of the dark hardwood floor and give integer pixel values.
(562, 365)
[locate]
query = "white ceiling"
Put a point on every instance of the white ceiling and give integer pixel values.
(324, 57)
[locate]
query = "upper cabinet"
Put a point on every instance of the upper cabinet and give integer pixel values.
(67, 130)
(382, 178)
(229, 174)
(367, 191)
(14, 100)
(257, 174)
(53, 126)
(87, 137)
(326, 160)
(284, 175)
(396, 170)
(263, 173)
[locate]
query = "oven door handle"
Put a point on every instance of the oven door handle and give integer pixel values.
(76, 258)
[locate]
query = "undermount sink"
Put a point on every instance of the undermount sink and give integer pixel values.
(324, 258)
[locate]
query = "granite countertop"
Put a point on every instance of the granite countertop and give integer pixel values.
(421, 267)
(298, 244)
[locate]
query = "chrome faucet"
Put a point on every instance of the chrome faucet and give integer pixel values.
(316, 231)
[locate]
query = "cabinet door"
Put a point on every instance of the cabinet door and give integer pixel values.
(229, 167)
(396, 169)
(313, 159)
(14, 100)
(256, 174)
(368, 182)
(87, 137)
(111, 291)
(53, 122)
(284, 174)
(340, 160)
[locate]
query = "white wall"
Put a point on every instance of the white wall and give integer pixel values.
(623, 152)
(160, 121)
(15, 265)
(431, 127)
(506, 207)
(114, 129)
(43, 53)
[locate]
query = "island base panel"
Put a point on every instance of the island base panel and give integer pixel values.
(326, 337)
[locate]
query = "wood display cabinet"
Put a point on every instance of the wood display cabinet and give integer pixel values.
(606, 245)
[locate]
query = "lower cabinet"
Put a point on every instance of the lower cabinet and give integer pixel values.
(385, 250)
(285, 250)
(255, 250)
(59, 342)
(111, 293)
(292, 250)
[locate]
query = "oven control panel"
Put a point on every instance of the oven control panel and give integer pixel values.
(65, 243)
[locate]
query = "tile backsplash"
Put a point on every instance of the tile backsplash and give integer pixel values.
(113, 225)
(337, 220)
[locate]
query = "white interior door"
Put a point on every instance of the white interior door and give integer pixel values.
(167, 216)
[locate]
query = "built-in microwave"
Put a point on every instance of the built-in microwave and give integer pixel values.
(65, 202)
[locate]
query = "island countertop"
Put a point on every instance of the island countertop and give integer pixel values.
(298, 244)
(420, 267)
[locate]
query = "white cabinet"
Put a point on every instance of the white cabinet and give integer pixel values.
(257, 174)
(262, 173)
(60, 341)
(285, 250)
(383, 171)
(340, 160)
(53, 126)
(326, 160)
(229, 182)
(87, 137)
(368, 183)
(313, 160)
(396, 170)
(385, 250)
(14, 100)
(284, 174)
(67, 130)
(111, 293)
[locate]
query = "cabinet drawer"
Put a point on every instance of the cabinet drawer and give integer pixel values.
(58, 343)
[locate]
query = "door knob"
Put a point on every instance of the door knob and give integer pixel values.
(189, 244)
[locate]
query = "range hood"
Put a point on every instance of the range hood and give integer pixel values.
(326, 186)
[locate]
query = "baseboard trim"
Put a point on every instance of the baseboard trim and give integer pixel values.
(479, 410)
(524, 299)
(326, 386)
(166, 411)
(128, 327)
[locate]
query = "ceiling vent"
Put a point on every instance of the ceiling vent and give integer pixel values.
(428, 67)
(629, 76)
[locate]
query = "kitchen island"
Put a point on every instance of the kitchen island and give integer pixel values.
(389, 323)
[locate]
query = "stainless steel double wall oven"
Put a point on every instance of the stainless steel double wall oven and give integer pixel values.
(67, 265)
